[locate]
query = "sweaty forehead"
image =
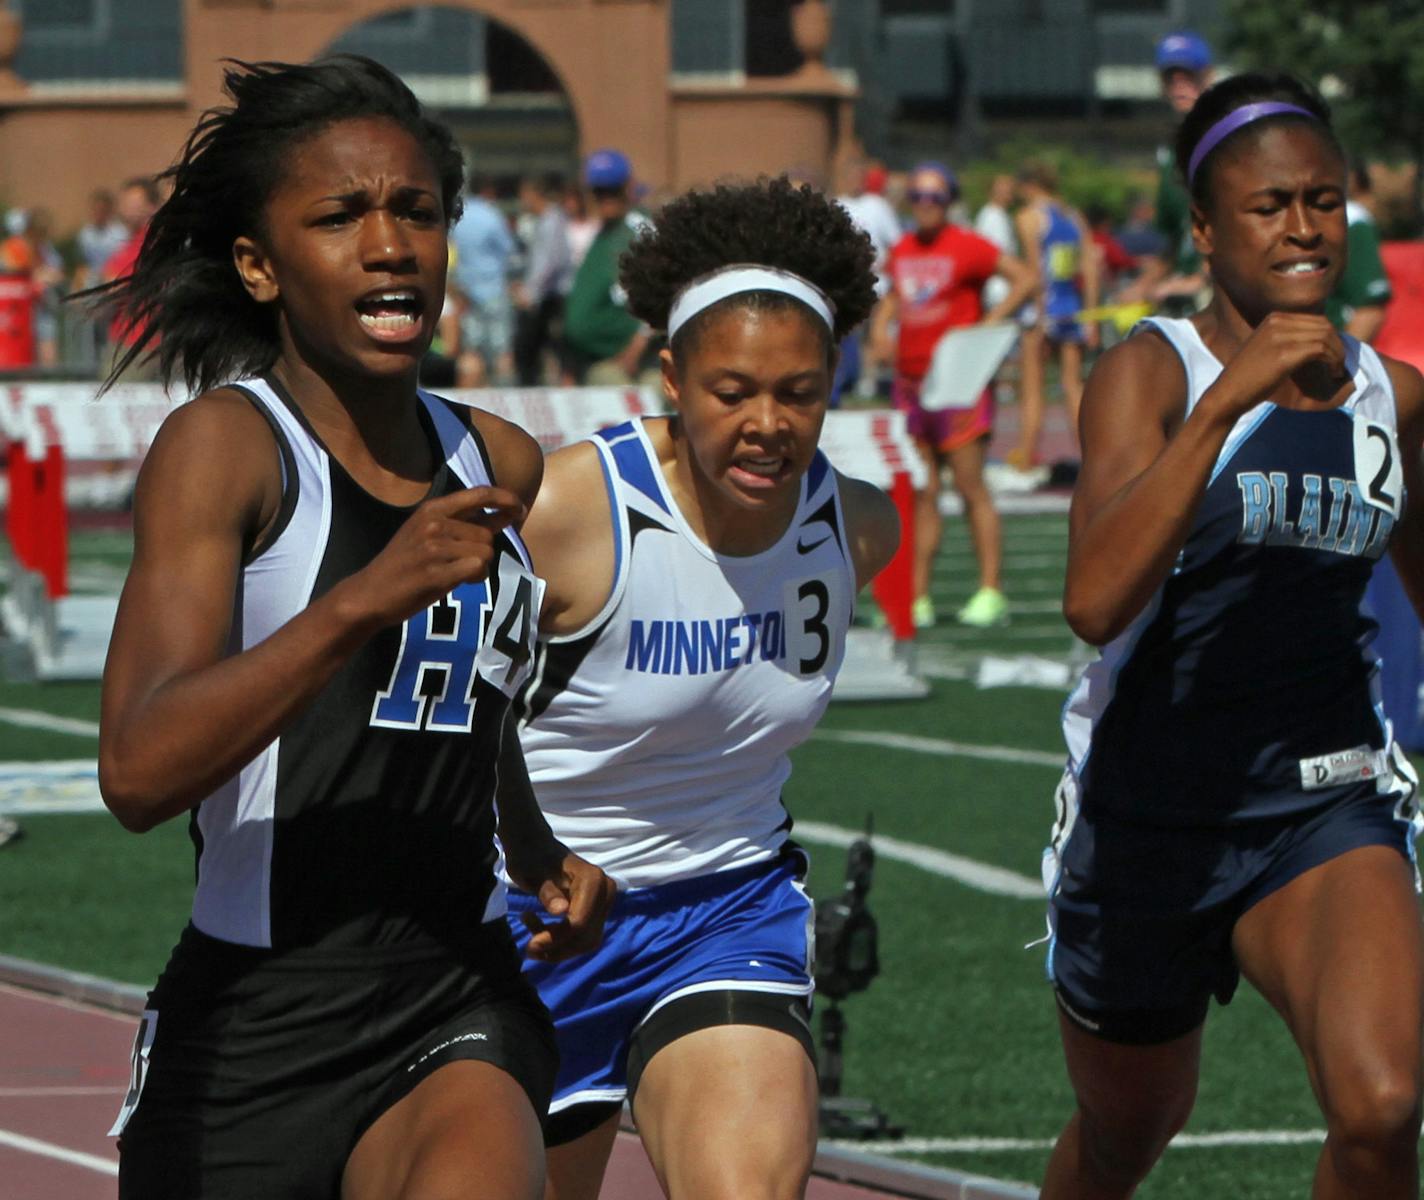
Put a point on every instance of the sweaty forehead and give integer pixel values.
(1278, 154)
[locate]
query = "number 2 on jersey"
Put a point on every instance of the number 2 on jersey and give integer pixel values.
(1378, 469)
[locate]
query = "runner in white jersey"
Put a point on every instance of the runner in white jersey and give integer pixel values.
(328, 613)
(702, 570)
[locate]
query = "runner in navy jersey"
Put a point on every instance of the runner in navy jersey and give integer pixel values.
(328, 613)
(1234, 802)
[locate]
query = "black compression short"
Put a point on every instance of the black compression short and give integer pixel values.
(265, 1070)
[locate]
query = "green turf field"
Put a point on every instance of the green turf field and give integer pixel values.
(957, 1038)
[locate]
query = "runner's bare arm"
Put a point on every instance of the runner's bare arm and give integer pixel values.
(570, 538)
(878, 341)
(1145, 469)
(1091, 262)
(872, 527)
(1023, 283)
(515, 456)
(566, 885)
(1407, 548)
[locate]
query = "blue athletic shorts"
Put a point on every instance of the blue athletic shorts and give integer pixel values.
(749, 929)
(1141, 916)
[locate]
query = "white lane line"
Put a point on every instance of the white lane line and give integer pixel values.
(943, 747)
(1183, 1141)
(1248, 1137)
(943, 670)
(39, 1093)
(18, 1141)
(65, 786)
(98, 575)
(29, 718)
(980, 876)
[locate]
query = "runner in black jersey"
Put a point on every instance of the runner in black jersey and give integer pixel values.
(328, 612)
(1234, 802)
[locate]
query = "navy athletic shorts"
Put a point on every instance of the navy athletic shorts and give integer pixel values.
(256, 1073)
(1141, 916)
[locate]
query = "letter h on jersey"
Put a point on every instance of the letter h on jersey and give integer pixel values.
(433, 681)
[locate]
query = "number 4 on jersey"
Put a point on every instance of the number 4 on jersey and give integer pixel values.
(506, 654)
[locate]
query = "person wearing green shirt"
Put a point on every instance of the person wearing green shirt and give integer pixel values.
(1174, 280)
(1357, 305)
(603, 341)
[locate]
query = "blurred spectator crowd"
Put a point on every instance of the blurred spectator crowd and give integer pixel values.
(533, 296)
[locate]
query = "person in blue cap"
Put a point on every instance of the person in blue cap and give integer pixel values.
(1184, 67)
(603, 342)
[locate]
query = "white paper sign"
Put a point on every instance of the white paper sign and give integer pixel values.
(964, 362)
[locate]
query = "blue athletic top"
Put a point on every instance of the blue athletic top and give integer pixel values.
(1061, 252)
(1247, 687)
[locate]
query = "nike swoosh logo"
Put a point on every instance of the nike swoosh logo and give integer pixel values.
(805, 549)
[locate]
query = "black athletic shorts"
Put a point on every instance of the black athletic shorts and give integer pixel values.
(264, 1069)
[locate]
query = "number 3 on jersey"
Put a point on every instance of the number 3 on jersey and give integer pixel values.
(815, 626)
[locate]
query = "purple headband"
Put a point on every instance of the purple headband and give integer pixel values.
(1233, 121)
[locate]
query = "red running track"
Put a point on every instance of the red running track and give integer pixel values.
(63, 1073)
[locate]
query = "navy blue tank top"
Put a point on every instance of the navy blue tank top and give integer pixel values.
(1247, 687)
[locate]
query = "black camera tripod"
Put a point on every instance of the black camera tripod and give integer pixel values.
(847, 959)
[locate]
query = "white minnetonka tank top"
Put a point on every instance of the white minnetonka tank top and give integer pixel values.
(657, 737)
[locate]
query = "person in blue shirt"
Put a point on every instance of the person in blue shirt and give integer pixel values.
(1056, 240)
(482, 247)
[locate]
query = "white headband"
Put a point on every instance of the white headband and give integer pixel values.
(746, 277)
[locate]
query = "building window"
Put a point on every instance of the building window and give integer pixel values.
(104, 43)
(707, 38)
(69, 15)
(917, 8)
(514, 65)
(407, 20)
(771, 50)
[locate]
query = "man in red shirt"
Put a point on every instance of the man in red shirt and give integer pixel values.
(17, 294)
(137, 202)
(937, 272)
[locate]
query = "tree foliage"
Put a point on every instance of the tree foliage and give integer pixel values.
(1366, 55)
(1083, 178)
